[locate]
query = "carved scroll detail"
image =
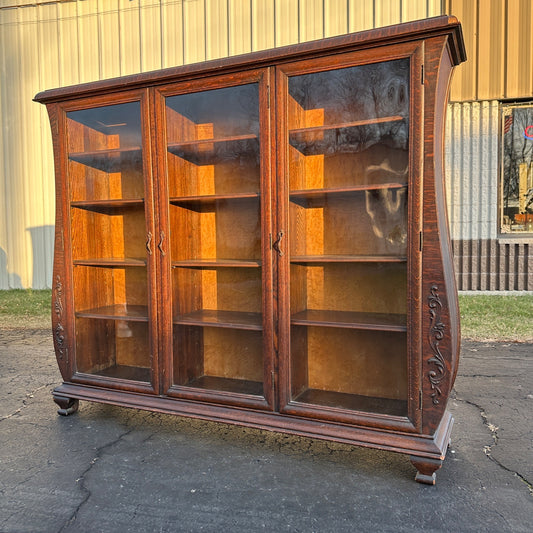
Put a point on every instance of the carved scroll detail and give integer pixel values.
(59, 331)
(436, 334)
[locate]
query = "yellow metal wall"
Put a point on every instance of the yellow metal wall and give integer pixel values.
(46, 44)
(499, 44)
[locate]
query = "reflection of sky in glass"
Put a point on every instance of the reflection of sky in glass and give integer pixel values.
(123, 120)
(231, 110)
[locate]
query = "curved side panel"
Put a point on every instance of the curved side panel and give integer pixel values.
(60, 302)
(440, 317)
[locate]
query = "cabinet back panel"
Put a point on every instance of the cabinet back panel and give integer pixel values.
(233, 354)
(187, 179)
(365, 287)
(97, 235)
(227, 289)
(87, 183)
(369, 223)
(101, 287)
(132, 344)
(217, 352)
(104, 344)
(231, 231)
(95, 350)
(188, 349)
(375, 165)
(238, 172)
(355, 362)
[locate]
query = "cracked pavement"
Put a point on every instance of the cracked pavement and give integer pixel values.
(109, 469)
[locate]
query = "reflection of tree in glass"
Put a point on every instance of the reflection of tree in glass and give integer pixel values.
(359, 93)
(517, 155)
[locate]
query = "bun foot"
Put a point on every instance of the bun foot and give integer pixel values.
(67, 406)
(426, 469)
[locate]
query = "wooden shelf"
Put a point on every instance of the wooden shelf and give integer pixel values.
(221, 319)
(130, 313)
(333, 137)
(350, 320)
(216, 263)
(237, 386)
(111, 262)
(353, 402)
(209, 151)
(109, 207)
(317, 197)
(208, 202)
(348, 259)
(113, 160)
(131, 373)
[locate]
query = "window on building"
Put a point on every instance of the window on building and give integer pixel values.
(516, 184)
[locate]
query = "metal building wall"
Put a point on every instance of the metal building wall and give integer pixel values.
(46, 44)
(483, 259)
(499, 44)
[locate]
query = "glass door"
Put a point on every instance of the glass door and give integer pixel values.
(219, 209)
(109, 183)
(348, 166)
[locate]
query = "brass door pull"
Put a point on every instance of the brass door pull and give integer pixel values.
(160, 245)
(149, 243)
(277, 242)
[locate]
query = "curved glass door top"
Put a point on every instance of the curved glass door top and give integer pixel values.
(215, 204)
(348, 159)
(108, 230)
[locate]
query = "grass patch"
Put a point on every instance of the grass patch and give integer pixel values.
(25, 303)
(25, 308)
(501, 318)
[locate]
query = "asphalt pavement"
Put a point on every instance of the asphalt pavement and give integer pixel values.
(111, 469)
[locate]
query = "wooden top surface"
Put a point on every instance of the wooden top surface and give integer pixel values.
(398, 33)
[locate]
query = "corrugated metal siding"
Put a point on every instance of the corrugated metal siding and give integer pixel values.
(482, 260)
(472, 169)
(46, 44)
(499, 44)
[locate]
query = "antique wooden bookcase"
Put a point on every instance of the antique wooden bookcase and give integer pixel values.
(262, 240)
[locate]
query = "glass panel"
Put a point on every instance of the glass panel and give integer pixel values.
(108, 229)
(105, 156)
(348, 179)
(215, 216)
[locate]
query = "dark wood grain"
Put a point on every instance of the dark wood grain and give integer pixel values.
(235, 386)
(116, 312)
(111, 160)
(221, 319)
(351, 320)
(353, 402)
(209, 151)
(305, 259)
(216, 263)
(109, 207)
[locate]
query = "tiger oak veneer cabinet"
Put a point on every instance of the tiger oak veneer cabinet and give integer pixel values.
(262, 240)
